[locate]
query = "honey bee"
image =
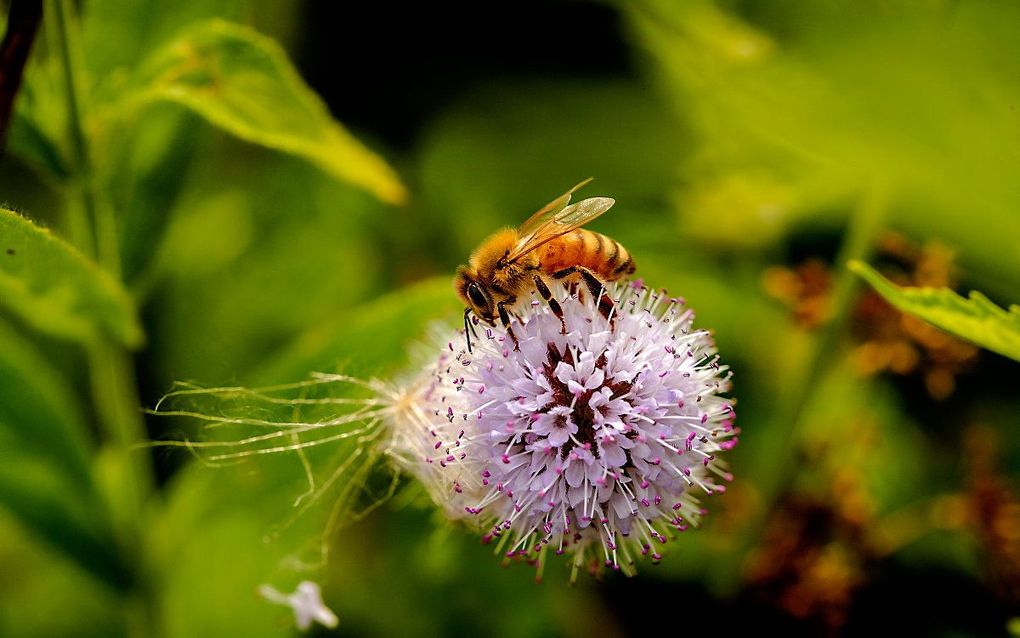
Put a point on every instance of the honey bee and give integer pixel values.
(550, 245)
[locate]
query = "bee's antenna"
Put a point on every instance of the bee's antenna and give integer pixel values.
(467, 328)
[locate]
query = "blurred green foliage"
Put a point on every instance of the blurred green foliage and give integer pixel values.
(57, 291)
(187, 209)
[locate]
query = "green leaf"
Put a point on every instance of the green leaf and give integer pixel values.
(117, 34)
(976, 319)
(263, 271)
(45, 480)
(39, 406)
(52, 597)
(59, 512)
(56, 290)
(375, 339)
(33, 144)
(243, 83)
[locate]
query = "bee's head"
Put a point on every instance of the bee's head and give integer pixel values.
(474, 294)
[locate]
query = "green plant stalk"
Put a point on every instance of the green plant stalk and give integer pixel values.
(771, 471)
(116, 401)
(100, 217)
(76, 221)
(110, 366)
(865, 222)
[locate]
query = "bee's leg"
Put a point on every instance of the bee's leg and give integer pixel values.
(468, 328)
(595, 286)
(553, 304)
(504, 316)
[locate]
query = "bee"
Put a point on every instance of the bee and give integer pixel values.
(550, 245)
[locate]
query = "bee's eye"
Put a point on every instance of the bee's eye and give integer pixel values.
(475, 295)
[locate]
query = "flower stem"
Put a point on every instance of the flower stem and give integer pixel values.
(99, 216)
(865, 222)
(114, 395)
(774, 461)
(110, 366)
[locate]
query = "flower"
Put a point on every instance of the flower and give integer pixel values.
(306, 601)
(592, 438)
(577, 433)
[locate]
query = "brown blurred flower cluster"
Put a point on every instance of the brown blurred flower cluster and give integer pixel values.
(812, 559)
(818, 545)
(885, 338)
(992, 512)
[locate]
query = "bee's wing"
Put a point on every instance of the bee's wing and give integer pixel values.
(547, 213)
(557, 222)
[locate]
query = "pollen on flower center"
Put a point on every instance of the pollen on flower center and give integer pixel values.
(581, 404)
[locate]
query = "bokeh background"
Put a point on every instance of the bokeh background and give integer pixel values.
(753, 147)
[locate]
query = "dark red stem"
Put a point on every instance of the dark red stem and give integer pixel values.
(22, 25)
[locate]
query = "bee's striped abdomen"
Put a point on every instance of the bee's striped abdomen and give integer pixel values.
(602, 255)
(618, 262)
